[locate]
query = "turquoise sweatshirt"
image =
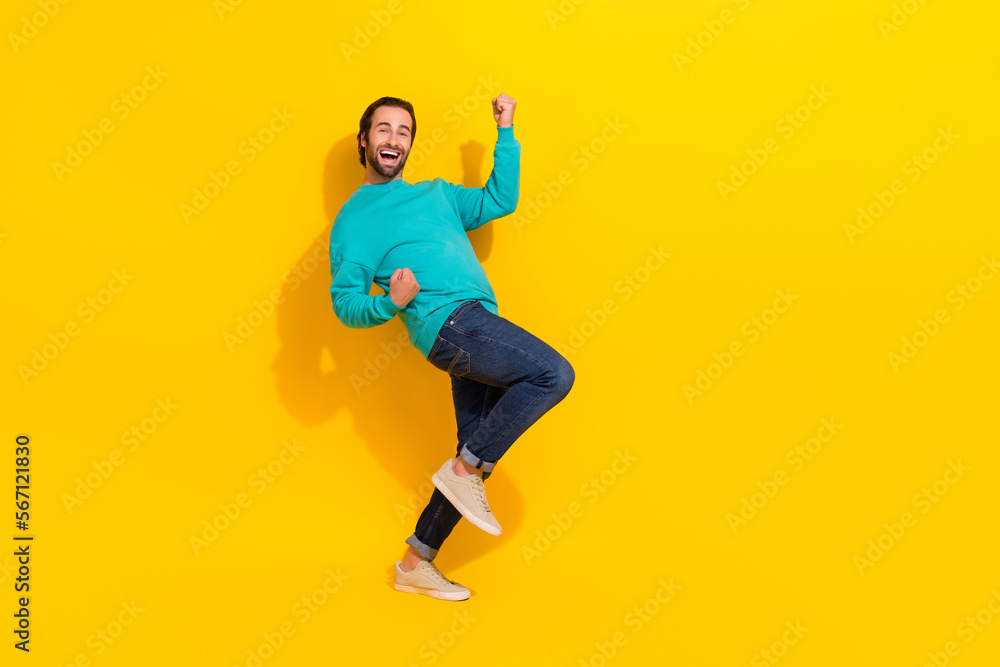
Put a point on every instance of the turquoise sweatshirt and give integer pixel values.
(387, 226)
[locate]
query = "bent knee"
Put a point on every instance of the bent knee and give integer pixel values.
(564, 377)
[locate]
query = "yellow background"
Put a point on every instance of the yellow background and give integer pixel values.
(366, 450)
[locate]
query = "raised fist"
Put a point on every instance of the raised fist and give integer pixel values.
(503, 110)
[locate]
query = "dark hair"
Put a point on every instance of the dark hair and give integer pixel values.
(366, 120)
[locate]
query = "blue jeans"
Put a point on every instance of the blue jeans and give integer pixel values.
(503, 379)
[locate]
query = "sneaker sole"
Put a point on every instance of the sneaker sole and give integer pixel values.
(437, 595)
(473, 519)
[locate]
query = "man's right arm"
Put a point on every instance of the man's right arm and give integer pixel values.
(351, 302)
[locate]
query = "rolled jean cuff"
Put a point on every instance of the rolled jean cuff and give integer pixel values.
(424, 550)
(475, 461)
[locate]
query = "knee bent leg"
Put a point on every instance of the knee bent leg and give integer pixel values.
(564, 377)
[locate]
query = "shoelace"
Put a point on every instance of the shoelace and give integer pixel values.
(480, 491)
(435, 573)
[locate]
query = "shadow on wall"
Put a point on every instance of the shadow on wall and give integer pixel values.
(401, 406)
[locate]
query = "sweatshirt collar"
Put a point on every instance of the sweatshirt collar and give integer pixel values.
(382, 187)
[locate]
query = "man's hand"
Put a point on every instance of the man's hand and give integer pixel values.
(503, 110)
(403, 287)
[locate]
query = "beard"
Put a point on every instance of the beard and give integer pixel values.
(371, 154)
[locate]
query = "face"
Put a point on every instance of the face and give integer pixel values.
(390, 132)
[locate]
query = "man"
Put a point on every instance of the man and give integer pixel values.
(410, 239)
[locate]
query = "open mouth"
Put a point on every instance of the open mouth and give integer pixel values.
(389, 156)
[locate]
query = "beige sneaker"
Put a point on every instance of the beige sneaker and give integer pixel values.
(468, 496)
(426, 579)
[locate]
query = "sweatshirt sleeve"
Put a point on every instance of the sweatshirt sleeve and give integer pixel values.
(477, 206)
(351, 302)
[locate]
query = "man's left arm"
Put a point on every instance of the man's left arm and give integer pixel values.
(499, 196)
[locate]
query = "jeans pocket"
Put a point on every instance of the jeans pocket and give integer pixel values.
(465, 310)
(450, 358)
